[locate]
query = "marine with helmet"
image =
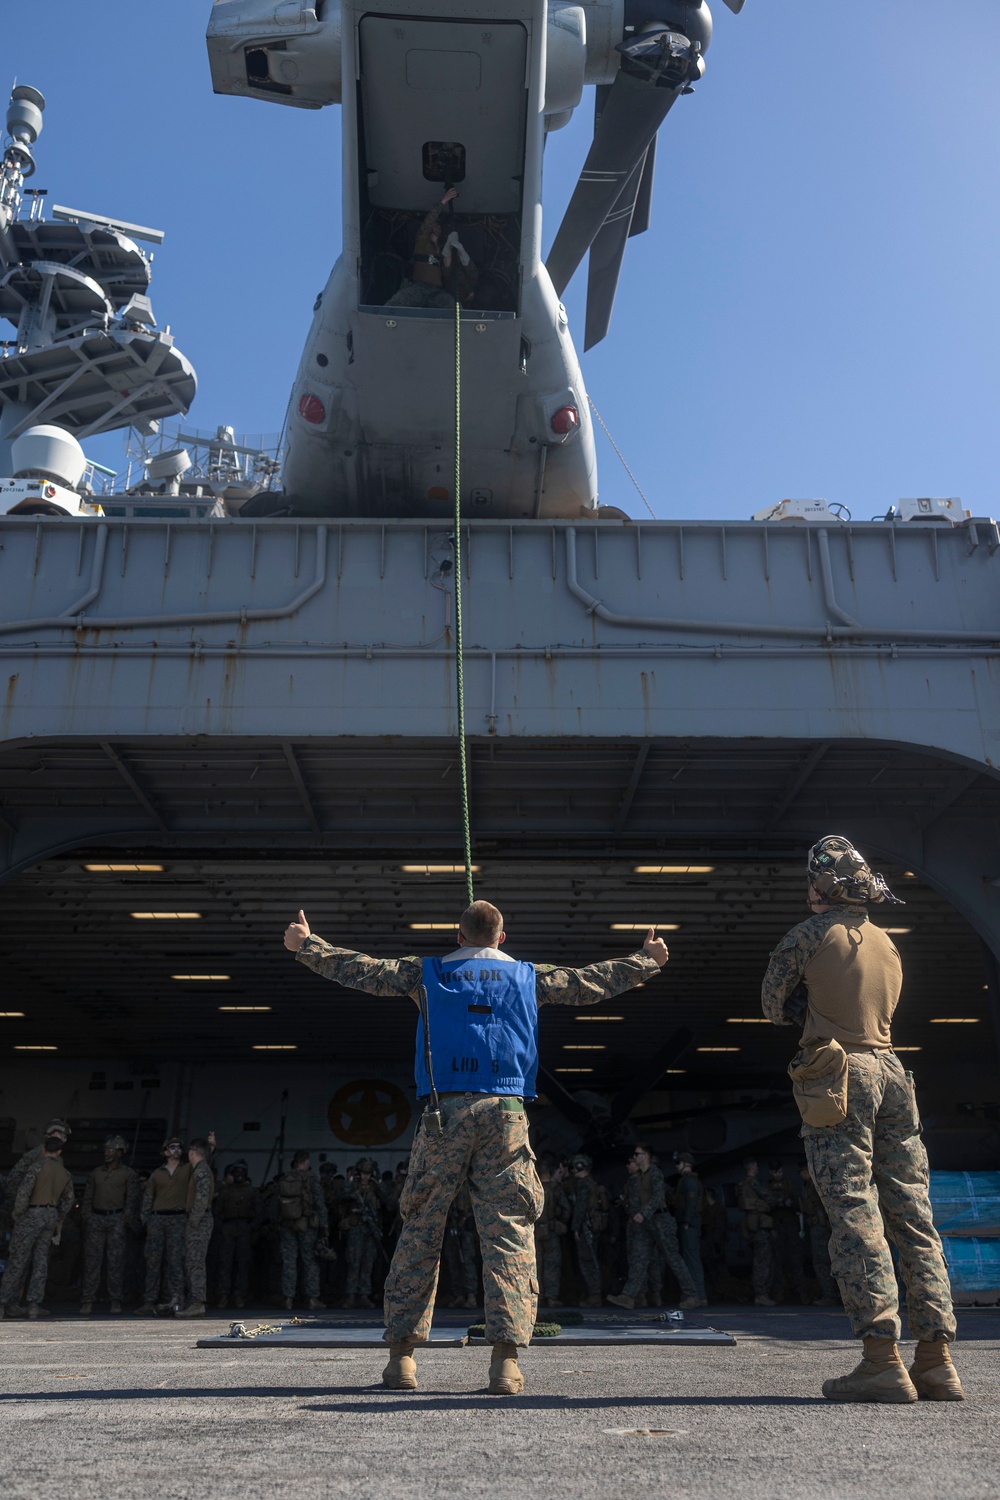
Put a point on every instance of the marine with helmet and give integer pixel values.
(839, 976)
(164, 1214)
(239, 1214)
(110, 1208)
(588, 1220)
(361, 1227)
(55, 1128)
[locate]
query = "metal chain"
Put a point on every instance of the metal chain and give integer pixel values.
(463, 770)
(621, 455)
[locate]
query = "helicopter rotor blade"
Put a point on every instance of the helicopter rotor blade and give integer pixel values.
(606, 255)
(644, 197)
(735, 5)
(634, 112)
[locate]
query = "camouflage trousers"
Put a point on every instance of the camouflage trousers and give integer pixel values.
(197, 1234)
(819, 1246)
(643, 1248)
(762, 1249)
(460, 1262)
(103, 1243)
(484, 1141)
(548, 1265)
(299, 1245)
(360, 1249)
(689, 1244)
(587, 1260)
(235, 1255)
(28, 1256)
(165, 1257)
(871, 1174)
(665, 1229)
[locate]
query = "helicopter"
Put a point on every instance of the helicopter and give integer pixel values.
(440, 298)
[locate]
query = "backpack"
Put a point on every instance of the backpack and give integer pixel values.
(295, 1209)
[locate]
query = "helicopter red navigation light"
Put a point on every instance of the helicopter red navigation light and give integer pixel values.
(312, 409)
(565, 421)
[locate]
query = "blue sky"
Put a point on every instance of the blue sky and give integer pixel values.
(813, 312)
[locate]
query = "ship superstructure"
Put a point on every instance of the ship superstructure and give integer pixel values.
(86, 356)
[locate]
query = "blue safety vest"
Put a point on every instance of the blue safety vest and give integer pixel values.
(483, 1018)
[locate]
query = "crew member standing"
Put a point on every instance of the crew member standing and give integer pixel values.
(361, 1224)
(861, 1128)
(198, 1228)
(689, 1200)
(757, 1228)
(303, 1219)
(110, 1207)
(550, 1227)
(44, 1198)
(652, 1232)
(164, 1213)
(239, 1213)
(15, 1176)
(588, 1221)
(483, 1050)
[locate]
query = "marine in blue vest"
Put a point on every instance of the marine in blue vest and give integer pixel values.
(482, 1009)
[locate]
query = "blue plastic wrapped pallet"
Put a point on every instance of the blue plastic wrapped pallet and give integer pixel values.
(967, 1214)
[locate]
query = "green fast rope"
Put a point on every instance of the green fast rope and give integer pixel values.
(463, 770)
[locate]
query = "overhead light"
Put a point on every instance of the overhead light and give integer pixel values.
(717, 1049)
(677, 1070)
(897, 930)
(199, 978)
(125, 869)
(644, 926)
(747, 1021)
(955, 1020)
(673, 869)
(11, 1015)
(598, 1018)
(584, 1047)
(909, 875)
(241, 1008)
(276, 1046)
(434, 926)
(574, 1070)
(438, 869)
(165, 916)
(907, 1049)
(34, 1048)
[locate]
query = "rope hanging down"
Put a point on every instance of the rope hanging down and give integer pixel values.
(463, 770)
(621, 455)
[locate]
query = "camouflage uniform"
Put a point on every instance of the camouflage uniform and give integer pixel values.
(485, 1141)
(788, 1267)
(460, 1248)
(45, 1179)
(300, 1236)
(238, 1214)
(104, 1228)
(165, 1226)
(360, 1223)
(549, 1231)
(818, 1226)
(588, 1220)
(656, 1236)
(689, 1196)
(870, 1170)
(198, 1230)
(758, 1230)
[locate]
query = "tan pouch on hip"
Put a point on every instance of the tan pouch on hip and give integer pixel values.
(819, 1083)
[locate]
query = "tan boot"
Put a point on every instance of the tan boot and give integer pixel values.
(400, 1374)
(147, 1310)
(505, 1372)
(193, 1310)
(35, 1310)
(690, 1302)
(622, 1300)
(933, 1374)
(879, 1377)
(86, 1308)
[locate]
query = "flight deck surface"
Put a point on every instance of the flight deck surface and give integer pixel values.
(127, 1407)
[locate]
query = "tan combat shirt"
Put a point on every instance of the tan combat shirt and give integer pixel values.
(169, 1193)
(50, 1184)
(853, 976)
(110, 1188)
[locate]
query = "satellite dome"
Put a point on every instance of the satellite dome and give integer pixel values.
(48, 453)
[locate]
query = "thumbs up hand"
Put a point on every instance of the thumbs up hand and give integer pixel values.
(296, 933)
